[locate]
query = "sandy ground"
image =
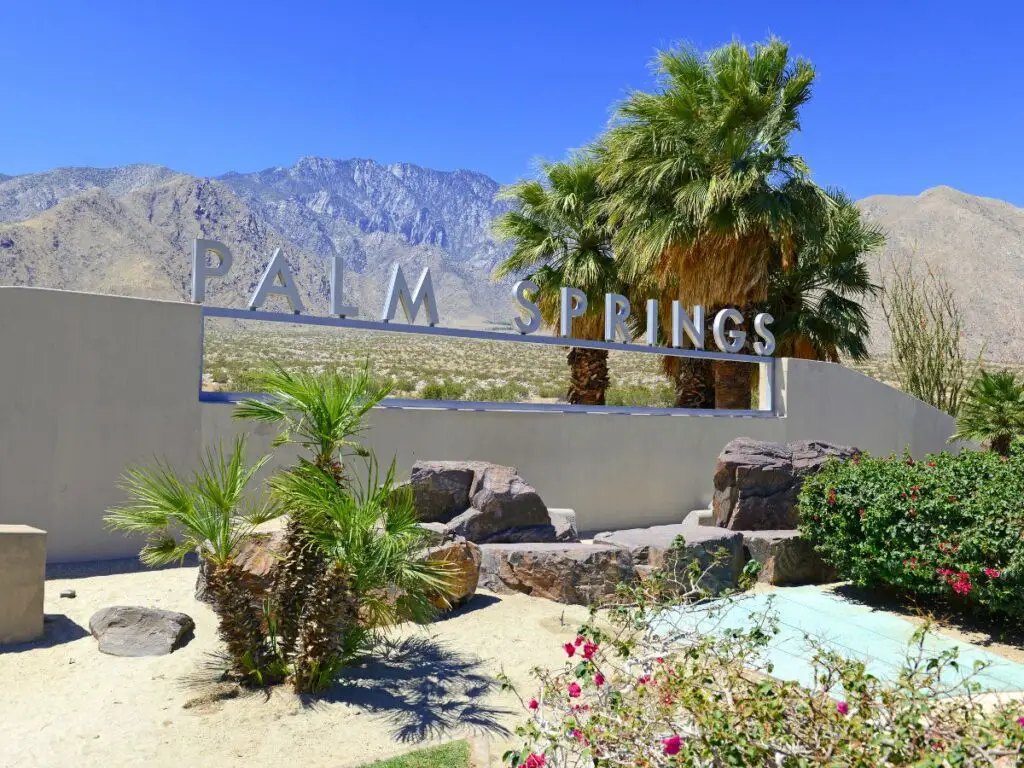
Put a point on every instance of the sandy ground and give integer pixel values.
(66, 704)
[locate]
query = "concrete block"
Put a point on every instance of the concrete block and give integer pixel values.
(22, 581)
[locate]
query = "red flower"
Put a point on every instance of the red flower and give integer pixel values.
(912, 562)
(580, 640)
(598, 679)
(570, 649)
(533, 704)
(842, 708)
(589, 649)
(1020, 721)
(831, 496)
(643, 680)
(660, 660)
(951, 499)
(578, 735)
(861, 512)
(932, 464)
(535, 761)
(673, 744)
(910, 461)
(992, 573)
(574, 690)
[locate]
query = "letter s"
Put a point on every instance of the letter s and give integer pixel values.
(519, 291)
(761, 329)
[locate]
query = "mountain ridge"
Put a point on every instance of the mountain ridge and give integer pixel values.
(129, 229)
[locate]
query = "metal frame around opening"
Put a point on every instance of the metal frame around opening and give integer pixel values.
(463, 333)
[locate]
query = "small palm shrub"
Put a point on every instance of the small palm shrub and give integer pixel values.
(658, 684)
(948, 527)
(372, 571)
(992, 411)
(209, 513)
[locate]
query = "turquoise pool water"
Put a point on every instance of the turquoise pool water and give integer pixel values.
(878, 638)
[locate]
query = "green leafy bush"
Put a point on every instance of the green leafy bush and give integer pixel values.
(446, 389)
(951, 526)
(640, 396)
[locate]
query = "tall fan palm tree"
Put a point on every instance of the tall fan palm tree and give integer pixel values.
(560, 236)
(211, 514)
(702, 188)
(992, 411)
(816, 303)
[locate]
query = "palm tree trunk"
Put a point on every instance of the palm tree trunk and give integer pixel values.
(734, 381)
(322, 630)
(239, 624)
(294, 578)
(1001, 444)
(588, 376)
(694, 382)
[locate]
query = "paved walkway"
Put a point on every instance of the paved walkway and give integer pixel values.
(878, 638)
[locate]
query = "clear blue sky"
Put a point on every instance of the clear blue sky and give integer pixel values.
(909, 95)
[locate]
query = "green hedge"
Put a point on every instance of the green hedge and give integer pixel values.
(950, 526)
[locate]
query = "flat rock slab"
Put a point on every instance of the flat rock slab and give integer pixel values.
(718, 551)
(786, 559)
(128, 630)
(577, 574)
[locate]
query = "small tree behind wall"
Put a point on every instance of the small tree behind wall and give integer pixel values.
(925, 322)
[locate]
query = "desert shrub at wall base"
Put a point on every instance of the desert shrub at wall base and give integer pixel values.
(948, 527)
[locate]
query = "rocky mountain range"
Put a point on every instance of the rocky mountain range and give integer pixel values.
(129, 231)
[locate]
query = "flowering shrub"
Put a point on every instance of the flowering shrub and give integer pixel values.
(653, 684)
(950, 526)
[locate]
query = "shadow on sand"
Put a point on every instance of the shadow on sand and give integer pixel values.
(424, 688)
(109, 567)
(57, 630)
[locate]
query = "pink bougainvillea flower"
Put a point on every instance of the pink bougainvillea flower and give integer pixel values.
(992, 573)
(570, 649)
(533, 704)
(578, 735)
(574, 690)
(580, 640)
(589, 649)
(842, 708)
(660, 660)
(598, 679)
(932, 464)
(643, 680)
(535, 761)
(831, 496)
(1020, 721)
(672, 745)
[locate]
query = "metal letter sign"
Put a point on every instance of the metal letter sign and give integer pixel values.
(573, 303)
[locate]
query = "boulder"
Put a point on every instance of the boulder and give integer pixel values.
(258, 556)
(504, 509)
(577, 574)
(124, 630)
(441, 489)
(564, 523)
(654, 549)
(786, 559)
(757, 482)
(464, 557)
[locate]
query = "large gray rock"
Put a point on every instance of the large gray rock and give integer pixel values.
(258, 555)
(786, 558)
(125, 630)
(577, 574)
(504, 509)
(441, 489)
(647, 546)
(757, 482)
